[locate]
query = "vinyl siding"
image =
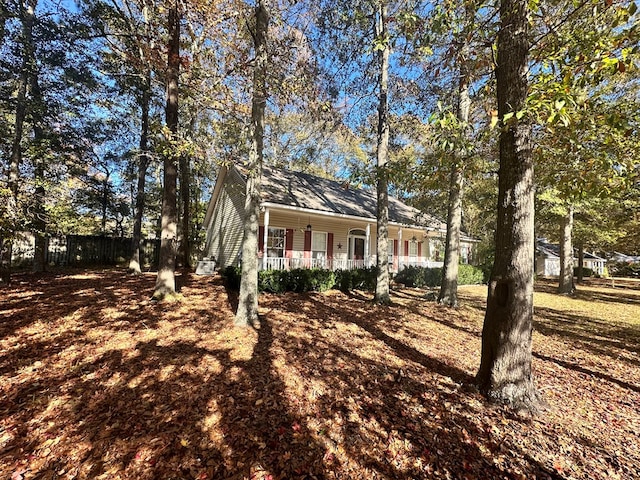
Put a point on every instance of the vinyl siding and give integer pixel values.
(224, 236)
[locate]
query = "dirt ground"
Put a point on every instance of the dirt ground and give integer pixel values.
(99, 382)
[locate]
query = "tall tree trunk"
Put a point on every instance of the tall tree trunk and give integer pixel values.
(382, 250)
(143, 164)
(505, 373)
(565, 284)
(39, 221)
(449, 289)
(247, 313)
(185, 195)
(166, 280)
(11, 209)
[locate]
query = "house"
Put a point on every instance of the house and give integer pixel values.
(547, 260)
(617, 257)
(309, 222)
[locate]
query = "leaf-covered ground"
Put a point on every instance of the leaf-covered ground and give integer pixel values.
(99, 382)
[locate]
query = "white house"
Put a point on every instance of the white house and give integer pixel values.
(308, 221)
(547, 260)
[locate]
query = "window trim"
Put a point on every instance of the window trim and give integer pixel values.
(326, 242)
(413, 246)
(269, 248)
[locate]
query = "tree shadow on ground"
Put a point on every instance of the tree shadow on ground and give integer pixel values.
(150, 406)
(626, 296)
(321, 388)
(589, 333)
(423, 428)
(619, 342)
(587, 371)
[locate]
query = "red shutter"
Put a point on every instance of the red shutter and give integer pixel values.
(288, 246)
(260, 240)
(406, 248)
(307, 244)
(419, 249)
(329, 245)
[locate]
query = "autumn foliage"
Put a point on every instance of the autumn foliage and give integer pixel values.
(97, 381)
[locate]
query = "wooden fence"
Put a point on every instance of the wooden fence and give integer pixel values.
(78, 250)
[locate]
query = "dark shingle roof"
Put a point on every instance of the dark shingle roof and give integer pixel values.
(553, 250)
(303, 190)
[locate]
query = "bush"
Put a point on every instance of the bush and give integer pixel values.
(273, 281)
(306, 280)
(586, 272)
(470, 275)
(359, 279)
(280, 281)
(421, 277)
(232, 277)
(623, 269)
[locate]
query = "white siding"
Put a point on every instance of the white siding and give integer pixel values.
(224, 236)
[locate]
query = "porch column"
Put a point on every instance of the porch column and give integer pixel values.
(400, 250)
(366, 246)
(264, 240)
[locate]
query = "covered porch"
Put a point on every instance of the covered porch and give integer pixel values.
(297, 238)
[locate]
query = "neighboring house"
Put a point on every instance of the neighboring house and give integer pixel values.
(548, 260)
(618, 257)
(308, 222)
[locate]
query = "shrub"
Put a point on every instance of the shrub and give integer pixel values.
(232, 277)
(273, 281)
(421, 277)
(358, 279)
(280, 281)
(324, 280)
(364, 279)
(586, 272)
(470, 275)
(343, 280)
(623, 269)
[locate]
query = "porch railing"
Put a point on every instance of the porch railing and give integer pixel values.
(281, 263)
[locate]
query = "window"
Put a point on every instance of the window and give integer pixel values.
(319, 245)
(275, 242)
(413, 248)
(390, 251)
(464, 254)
